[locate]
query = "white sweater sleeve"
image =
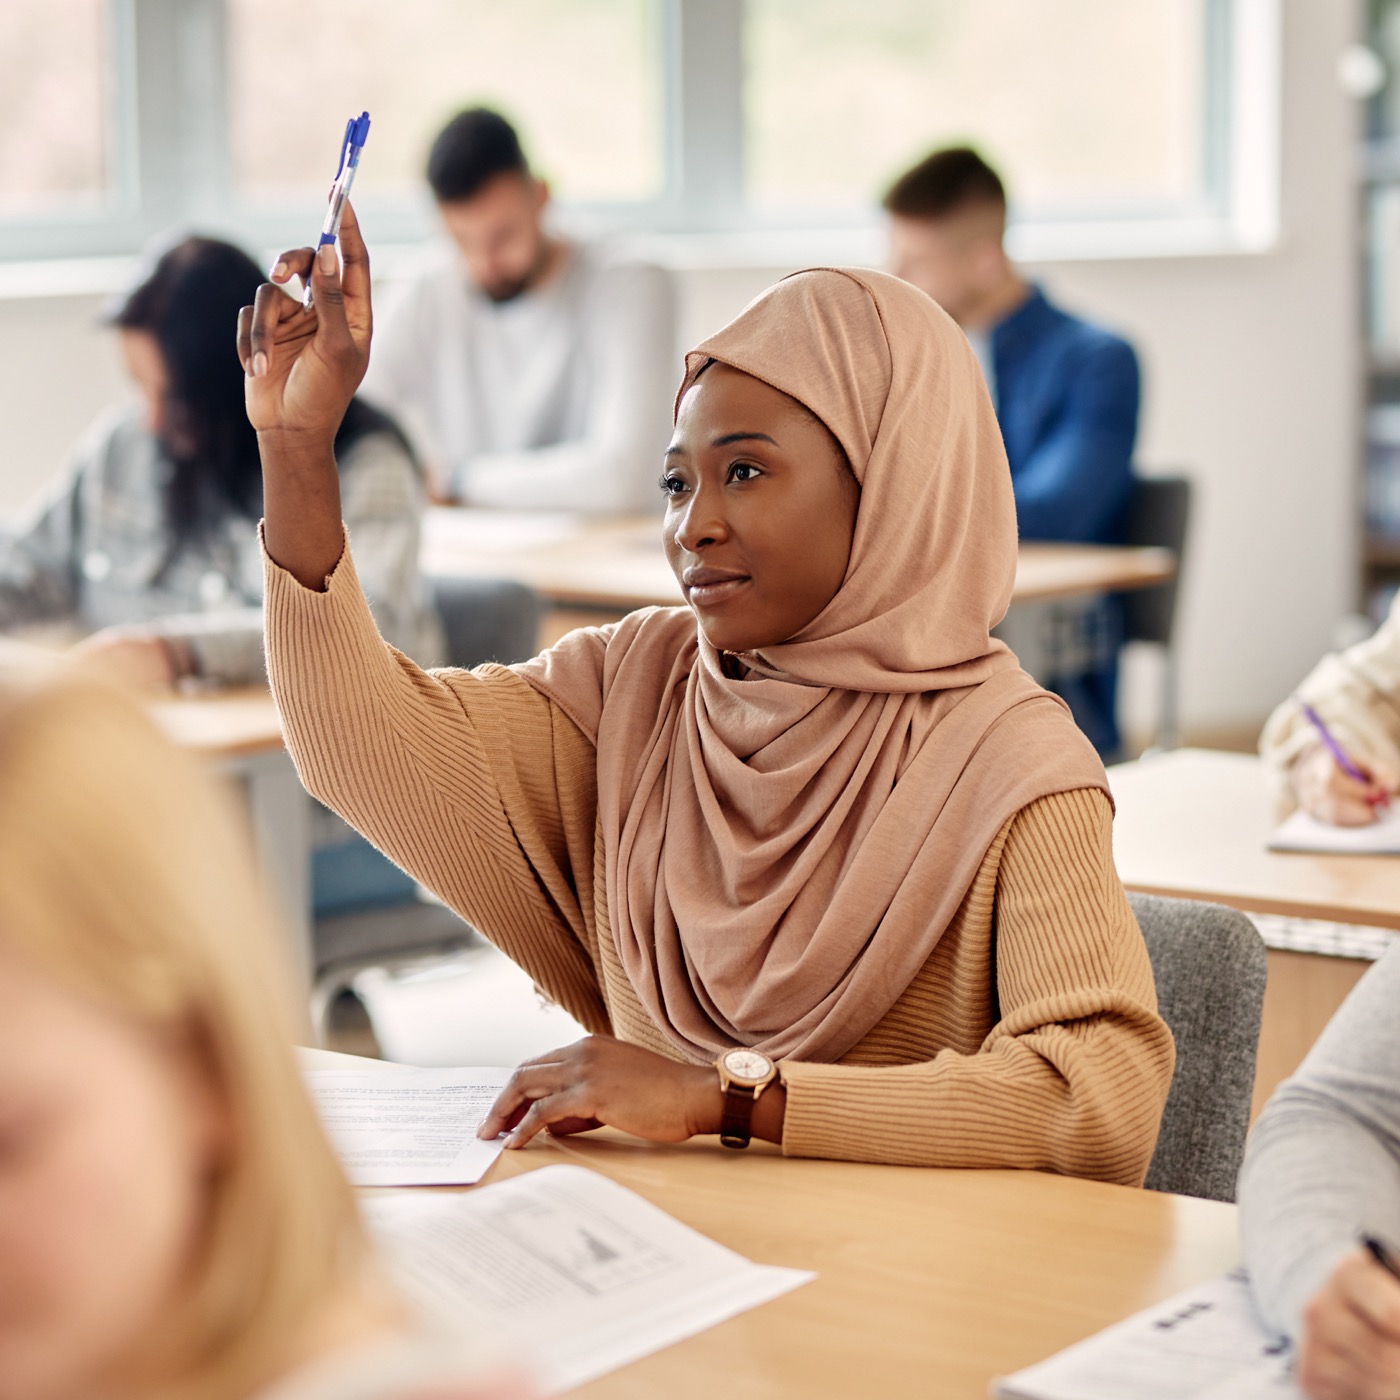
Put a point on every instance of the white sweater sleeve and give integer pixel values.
(1323, 1162)
(613, 467)
(1357, 695)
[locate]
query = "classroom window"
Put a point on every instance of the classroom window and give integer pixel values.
(125, 119)
(1083, 106)
(579, 77)
(55, 107)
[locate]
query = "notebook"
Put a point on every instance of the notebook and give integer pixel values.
(1302, 832)
(1204, 1344)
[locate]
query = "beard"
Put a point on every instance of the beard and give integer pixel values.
(503, 290)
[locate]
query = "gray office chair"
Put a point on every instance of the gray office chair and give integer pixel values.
(1159, 514)
(1209, 964)
(483, 620)
(486, 619)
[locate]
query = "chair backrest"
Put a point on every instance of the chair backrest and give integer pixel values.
(486, 619)
(1209, 963)
(1159, 513)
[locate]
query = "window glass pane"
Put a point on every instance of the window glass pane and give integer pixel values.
(1081, 104)
(579, 77)
(55, 96)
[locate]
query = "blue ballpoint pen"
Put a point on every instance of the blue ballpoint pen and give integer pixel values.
(356, 133)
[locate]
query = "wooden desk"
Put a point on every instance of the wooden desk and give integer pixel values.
(239, 732)
(223, 724)
(596, 570)
(1194, 825)
(930, 1283)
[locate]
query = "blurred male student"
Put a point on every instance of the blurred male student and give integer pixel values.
(534, 370)
(1066, 393)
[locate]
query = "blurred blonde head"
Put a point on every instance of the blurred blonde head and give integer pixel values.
(126, 881)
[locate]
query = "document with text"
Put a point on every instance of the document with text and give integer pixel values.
(586, 1272)
(1204, 1344)
(395, 1126)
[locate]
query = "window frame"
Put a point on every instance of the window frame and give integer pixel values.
(171, 164)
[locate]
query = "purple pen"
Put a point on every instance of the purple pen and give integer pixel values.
(1333, 747)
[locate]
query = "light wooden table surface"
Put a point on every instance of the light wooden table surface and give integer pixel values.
(222, 724)
(1195, 825)
(603, 568)
(930, 1283)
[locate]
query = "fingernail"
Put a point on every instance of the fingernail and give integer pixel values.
(279, 270)
(259, 364)
(326, 258)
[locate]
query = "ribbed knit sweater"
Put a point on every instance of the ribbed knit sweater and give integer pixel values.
(1030, 1037)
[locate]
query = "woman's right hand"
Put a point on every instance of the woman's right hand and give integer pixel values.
(303, 365)
(1350, 1344)
(1328, 794)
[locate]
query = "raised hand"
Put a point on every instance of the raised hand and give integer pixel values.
(302, 367)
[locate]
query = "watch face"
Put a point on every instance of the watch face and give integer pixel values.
(748, 1066)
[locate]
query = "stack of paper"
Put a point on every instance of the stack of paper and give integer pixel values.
(588, 1275)
(395, 1126)
(1204, 1344)
(1304, 833)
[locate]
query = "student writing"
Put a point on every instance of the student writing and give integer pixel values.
(1066, 391)
(149, 540)
(1323, 1168)
(532, 367)
(1356, 694)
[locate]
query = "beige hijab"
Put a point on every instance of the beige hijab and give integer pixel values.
(783, 852)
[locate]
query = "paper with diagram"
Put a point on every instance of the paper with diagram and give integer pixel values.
(593, 1275)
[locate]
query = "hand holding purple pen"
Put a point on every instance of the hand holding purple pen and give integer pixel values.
(1326, 795)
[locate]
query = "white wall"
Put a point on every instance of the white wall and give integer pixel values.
(1252, 366)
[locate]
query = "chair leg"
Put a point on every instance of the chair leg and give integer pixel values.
(1169, 735)
(323, 996)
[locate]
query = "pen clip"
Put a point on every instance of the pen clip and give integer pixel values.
(345, 148)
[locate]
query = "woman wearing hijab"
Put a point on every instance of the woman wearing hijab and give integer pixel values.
(812, 859)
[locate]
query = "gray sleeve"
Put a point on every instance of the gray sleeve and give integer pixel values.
(1323, 1162)
(227, 646)
(382, 501)
(614, 467)
(39, 564)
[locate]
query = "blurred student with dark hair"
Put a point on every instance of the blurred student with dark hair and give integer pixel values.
(532, 369)
(150, 541)
(1066, 393)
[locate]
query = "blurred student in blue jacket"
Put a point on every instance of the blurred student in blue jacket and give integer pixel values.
(1066, 393)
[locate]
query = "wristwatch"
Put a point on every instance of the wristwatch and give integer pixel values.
(743, 1076)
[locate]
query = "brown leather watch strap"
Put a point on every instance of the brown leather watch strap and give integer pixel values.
(736, 1126)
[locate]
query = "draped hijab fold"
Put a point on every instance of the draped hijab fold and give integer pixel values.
(783, 852)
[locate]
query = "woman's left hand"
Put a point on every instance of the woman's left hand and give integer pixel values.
(600, 1081)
